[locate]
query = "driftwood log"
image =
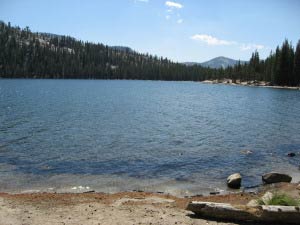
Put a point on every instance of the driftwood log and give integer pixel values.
(270, 214)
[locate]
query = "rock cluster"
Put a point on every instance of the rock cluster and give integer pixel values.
(234, 181)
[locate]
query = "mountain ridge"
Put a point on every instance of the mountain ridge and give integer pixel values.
(217, 62)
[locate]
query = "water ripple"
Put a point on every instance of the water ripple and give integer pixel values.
(173, 132)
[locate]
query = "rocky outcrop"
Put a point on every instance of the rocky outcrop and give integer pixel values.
(274, 177)
(234, 181)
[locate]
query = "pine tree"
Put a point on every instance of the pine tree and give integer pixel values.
(285, 64)
(276, 67)
(38, 55)
(297, 65)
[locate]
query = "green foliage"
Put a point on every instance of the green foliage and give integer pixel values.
(24, 54)
(285, 65)
(260, 202)
(297, 64)
(280, 199)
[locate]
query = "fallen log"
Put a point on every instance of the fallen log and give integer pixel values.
(224, 211)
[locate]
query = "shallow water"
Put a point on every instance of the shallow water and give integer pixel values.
(178, 137)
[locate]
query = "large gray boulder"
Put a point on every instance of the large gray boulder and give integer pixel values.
(274, 177)
(234, 181)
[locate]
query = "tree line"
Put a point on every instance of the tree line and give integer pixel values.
(281, 67)
(25, 54)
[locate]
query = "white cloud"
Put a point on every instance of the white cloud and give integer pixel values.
(210, 40)
(174, 5)
(246, 47)
(171, 6)
(213, 41)
(179, 21)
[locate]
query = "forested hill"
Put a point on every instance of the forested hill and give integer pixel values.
(24, 54)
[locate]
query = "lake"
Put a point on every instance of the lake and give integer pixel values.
(183, 138)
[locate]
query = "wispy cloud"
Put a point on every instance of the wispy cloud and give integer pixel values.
(171, 8)
(210, 40)
(174, 5)
(213, 41)
(179, 21)
(246, 47)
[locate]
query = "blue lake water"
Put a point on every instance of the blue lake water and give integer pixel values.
(179, 137)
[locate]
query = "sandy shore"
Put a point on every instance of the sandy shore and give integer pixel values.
(120, 208)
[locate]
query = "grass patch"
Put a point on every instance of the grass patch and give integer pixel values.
(280, 199)
(260, 202)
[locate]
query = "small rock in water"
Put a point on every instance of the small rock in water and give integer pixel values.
(246, 152)
(90, 191)
(291, 154)
(137, 190)
(214, 193)
(198, 195)
(274, 177)
(234, 181)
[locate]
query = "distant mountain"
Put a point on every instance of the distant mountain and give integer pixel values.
(24, 54)
(220, 62)
(216, 63)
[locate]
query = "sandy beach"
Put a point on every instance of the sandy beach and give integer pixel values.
(120, 208)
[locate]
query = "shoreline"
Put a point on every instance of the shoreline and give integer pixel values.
(251, 84)
(118, 208)
(111, 185)
(224, 81)
(177, 193)
(79, 185)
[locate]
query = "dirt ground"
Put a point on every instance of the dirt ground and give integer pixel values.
(121, 208)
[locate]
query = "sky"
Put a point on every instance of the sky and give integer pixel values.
(181, 30)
